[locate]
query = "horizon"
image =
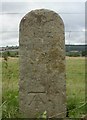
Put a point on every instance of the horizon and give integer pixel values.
(65, 45)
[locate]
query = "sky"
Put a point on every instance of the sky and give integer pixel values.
(72, 12)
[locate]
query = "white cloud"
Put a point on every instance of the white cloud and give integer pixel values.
(11, 22)
(73, 22)
(62, 7)
(44, 0)
(75, 37)
(9, 38)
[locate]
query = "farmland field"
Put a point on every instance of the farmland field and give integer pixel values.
(75, 87)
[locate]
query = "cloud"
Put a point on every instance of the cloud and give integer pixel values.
(9, 38)
(21, 7)
(73, 15)
(44, 0)
(11, 22)
(75, 38)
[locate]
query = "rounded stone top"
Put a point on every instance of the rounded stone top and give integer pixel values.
(41, 16)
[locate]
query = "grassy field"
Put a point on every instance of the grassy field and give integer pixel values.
(75, 87)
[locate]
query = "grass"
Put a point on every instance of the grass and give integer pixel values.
(75, 84)
(10, 79)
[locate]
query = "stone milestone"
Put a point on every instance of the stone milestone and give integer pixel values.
(42, 86)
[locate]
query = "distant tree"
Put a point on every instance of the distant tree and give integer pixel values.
(17, 54)
(73, 54)
(5, 56)
(84, 53)
(8, 53)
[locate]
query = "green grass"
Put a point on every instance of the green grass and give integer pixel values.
(10, 79)
(75, 84)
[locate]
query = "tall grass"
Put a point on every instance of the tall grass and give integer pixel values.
(75, 84)
(10, 79)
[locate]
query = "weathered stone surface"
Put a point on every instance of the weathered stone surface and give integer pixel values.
(42, 65)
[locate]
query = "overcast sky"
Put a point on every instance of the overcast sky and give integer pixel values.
(72, 13)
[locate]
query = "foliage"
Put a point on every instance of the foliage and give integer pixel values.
(73, 54)
(84, 53)
(10, 75)
(10, 54)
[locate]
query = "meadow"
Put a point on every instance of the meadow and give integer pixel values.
(75, 87)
